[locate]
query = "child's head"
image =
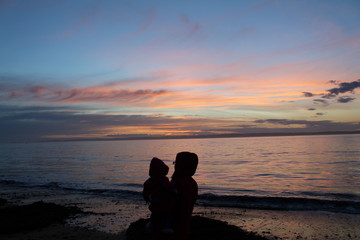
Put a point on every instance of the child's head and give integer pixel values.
(158, 168)
(186, 164)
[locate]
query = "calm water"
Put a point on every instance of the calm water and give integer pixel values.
(307, 167)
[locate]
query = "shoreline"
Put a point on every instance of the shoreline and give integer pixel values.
(111, 216)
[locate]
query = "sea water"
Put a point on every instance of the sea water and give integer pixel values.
(293, 172)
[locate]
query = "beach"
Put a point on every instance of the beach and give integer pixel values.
(108, 217)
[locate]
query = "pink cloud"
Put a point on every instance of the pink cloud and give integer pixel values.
(58, 95)
(6, 3)
(192, 28)
(83, 21)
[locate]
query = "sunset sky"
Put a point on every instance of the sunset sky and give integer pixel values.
(103, 69)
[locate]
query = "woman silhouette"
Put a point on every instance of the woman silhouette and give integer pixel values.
(187, 188)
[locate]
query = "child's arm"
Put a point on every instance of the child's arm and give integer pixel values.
(146, 191)
(168, 186)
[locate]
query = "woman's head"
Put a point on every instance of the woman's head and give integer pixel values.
(185, 164)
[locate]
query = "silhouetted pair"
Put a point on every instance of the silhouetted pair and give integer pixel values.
(171, 202)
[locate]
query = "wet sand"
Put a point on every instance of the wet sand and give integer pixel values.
(108, 217)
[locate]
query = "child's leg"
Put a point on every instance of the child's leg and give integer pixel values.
(153, 223)
(166, 224)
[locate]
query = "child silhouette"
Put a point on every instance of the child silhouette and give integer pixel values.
(160, 193)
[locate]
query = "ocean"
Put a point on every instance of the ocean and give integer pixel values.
(320, 173)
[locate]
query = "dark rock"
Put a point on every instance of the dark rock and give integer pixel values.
(37, 215)
(3, 202)
(201, 229)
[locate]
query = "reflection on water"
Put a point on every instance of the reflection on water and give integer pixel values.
(283, 166)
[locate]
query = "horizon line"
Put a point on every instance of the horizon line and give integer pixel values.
(230, 135)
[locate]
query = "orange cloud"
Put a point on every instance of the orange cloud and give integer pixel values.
(177, 88)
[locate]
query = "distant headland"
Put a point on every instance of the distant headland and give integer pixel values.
(241, 135)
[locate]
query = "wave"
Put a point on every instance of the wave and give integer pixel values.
(280, 203)
(351, 206)
(78, 189)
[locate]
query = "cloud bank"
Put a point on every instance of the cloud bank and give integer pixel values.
(333, 93)
(345, 87)
(46, 123)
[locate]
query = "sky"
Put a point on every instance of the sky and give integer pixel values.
(104, 69)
